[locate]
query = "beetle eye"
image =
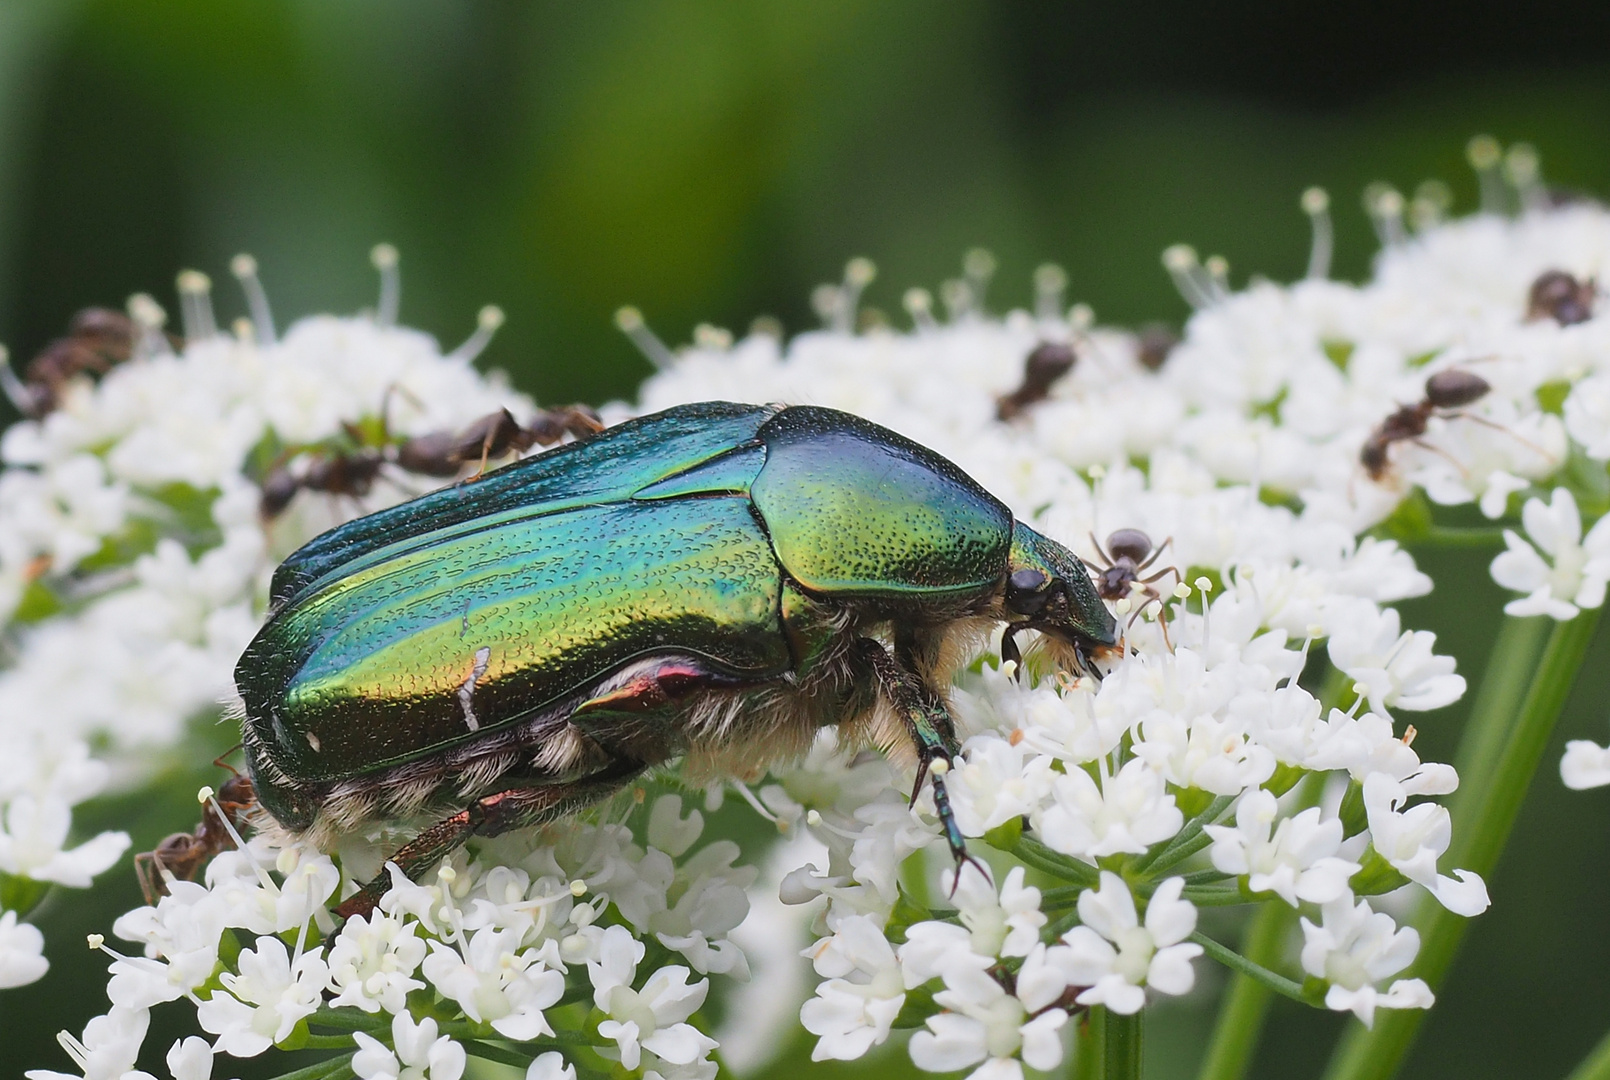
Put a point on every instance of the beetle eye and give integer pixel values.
(1026, 593)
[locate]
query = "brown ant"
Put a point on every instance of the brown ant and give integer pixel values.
(1446, 390)
(98, 339)
(353, 471)
(1128, 555)
(182, 855)
(1049, 361)
(1559, 296)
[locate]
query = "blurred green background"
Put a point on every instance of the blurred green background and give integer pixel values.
(713, 162)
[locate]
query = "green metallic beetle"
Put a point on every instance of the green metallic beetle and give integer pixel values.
(713, 582)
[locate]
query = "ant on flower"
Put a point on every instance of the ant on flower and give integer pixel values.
(1128, 555)
(1445, 393)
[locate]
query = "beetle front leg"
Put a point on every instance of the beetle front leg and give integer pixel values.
(492, 815)
(931, 729)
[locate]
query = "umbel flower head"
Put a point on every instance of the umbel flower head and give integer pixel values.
(1240, 493)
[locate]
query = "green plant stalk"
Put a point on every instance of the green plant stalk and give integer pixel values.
(1123, 1040)
(1087, 1049)
(1596, 1066)
(1242, 965)
(1246, 1003)
(1482, 824)
(1497, 706)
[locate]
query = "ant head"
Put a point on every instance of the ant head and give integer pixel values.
(1131, 544)
(1451, 388)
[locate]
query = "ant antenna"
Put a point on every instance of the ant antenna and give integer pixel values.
(1316, 204)
(244, 267)
(385, 259)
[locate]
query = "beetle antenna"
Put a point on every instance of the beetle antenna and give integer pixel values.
(195, 305)
(486, 324)
(385, 259)
(630, 322)
(1316, 204)
(244, 267)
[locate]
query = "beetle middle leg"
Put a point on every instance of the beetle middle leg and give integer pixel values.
(930, 728)
(491, 815)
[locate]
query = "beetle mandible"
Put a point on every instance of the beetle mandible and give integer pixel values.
(715, 582)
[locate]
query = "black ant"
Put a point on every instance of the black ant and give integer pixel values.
(1446, 390)
(1128, 555)
(98, 339)
(1049, 361)
(1153, 343)
(353, 471)
(182, 855)
(1559, 296)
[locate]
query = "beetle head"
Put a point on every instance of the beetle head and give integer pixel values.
(1048, 589)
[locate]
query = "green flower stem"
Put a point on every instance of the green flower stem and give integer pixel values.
(1596, 1066)
(1123, 1040)
(1035, 854)
(350, 1020)
(1482, 822)
(322, 1070)
(1242, 965)
(1161, 858)
(1087, 1052)
(502, 1054)
(1216, 896)
(1246, 1002)
(327, 1042)
(1515, 655)
(1444, 536)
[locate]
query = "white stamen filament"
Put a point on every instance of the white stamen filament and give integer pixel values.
(150, 318)
(1190, 279)
(15, 389)
(959, 299)
(919, 304)
(1384, 204)
(486, 324)
(244, 267)
(205, 795)
(1050, 282)
(629, 321)
(385, 259)
(858, 274)
(1522, 170)
(759, 807)
(1321, 245)
(978, 267)
(1485, 154)
(195, 305)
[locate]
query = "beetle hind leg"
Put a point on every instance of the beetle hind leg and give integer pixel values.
(491, 815)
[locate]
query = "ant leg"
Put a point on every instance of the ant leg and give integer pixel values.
(1106, 560)
(1422, 444)
(1528, 443)
(1157, 551)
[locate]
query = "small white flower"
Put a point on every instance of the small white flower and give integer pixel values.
(985, 1024)
(1585, 765)
(854, 1009)
(494, 981)
(372, 963)
(1298, 862)
(1398, 670)
(653, 1018)
(183, 930)
(1413, 839)
(31, 844)
(1354, 948)
(1587, 415)
(418, 1054)
(1560, 570)
(1128, 812)
(265, 1000)
(108, 1050)
(550, 1066)
(22, 949)
(1116, 956)
(190, 1059)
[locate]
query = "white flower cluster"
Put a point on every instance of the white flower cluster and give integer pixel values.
(1249, 746)
(1199, 770)
(508, 941)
